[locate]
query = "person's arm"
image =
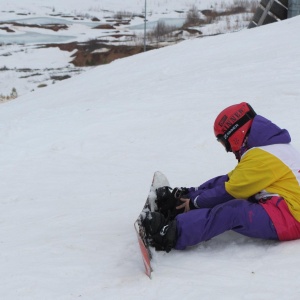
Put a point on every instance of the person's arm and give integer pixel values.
(209, 184)
(207, 195)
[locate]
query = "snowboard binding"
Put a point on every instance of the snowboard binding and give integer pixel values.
(168, 199)
(160, 232)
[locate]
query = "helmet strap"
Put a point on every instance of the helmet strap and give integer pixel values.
(243, 149)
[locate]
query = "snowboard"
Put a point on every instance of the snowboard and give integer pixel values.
(158, 180)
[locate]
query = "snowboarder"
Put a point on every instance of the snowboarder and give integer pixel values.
(260, 198)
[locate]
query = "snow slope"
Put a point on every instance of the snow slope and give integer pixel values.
(77, 159)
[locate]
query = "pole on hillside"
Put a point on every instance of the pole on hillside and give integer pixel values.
(145, 25)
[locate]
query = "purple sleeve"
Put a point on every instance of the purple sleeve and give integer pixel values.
(210, 193)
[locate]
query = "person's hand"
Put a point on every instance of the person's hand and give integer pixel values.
(185, 204)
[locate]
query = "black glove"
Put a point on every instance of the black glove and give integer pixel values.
(180, 192)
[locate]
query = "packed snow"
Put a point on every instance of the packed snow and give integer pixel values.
(77, 159)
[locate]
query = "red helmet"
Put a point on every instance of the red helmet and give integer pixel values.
(232, 125)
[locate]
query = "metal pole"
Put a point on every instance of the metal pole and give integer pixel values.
(145, 25)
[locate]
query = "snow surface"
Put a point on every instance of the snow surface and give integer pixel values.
(77, 159)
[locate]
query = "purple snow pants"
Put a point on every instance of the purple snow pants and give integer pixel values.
(241, 216)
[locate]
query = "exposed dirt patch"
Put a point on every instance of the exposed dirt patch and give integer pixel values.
(62, 77)
(84, 58)
(104, 26)
(94, 53)
(54, 27)
(7, 29)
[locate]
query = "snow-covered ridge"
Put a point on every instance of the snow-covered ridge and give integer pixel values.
(59, 23)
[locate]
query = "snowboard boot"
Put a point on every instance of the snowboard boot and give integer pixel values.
(160, 232)
(167, 200)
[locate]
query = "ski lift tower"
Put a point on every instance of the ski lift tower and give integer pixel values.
(270, 11)
(294, 8)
